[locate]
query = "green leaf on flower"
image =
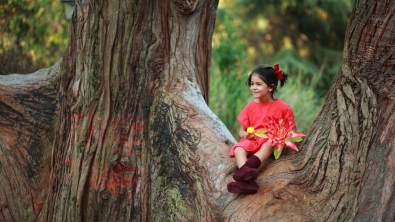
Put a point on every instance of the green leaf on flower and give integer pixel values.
(297, 139)
(261, 133)
(277, 153)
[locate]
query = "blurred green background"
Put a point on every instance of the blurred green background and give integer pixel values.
(304, 36)
(33, 35)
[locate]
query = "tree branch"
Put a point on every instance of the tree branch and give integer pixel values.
(27, 107)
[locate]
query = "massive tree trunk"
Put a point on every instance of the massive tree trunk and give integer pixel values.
(119, 129)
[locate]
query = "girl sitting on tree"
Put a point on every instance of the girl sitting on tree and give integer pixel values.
(273, 120)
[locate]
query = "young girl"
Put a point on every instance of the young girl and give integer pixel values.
(251, 150)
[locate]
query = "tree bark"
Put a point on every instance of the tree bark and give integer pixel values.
(119, 130)
(27, 107)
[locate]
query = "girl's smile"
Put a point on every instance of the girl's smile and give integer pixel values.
(260, 90)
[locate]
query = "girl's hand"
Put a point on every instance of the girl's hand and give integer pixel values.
(250, 133)
(247, 133)
(250, 136)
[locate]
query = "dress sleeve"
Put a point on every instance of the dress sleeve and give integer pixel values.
(290, 114)
(243, 117)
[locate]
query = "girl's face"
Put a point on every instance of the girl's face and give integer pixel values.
(260, 90)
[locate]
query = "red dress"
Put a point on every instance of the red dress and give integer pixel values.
(254, 114)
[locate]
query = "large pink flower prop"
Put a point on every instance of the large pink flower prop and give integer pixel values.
(280, 134)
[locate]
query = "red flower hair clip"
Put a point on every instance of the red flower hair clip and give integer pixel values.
(278, 71)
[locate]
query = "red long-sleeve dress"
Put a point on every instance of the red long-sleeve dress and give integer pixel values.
(254, 114)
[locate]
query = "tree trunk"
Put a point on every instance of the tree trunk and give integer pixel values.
(119, 130)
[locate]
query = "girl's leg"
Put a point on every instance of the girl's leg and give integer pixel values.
(247, 173)
(247, 165)
(246, 187)
(264, 153)
(241, 156)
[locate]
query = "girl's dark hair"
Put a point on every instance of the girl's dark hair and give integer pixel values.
(269, 76)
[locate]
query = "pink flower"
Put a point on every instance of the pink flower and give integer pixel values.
(281, 134)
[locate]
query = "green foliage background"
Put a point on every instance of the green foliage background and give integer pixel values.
(304, 36)
(33, 34)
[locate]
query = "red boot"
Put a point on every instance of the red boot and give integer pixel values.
(249, 170)
(244, 187)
